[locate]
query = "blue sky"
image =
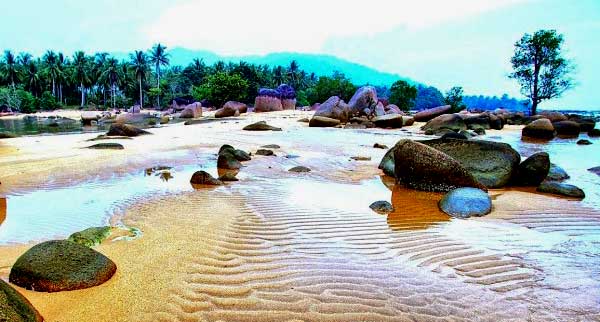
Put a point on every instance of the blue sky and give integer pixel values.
(443, 43)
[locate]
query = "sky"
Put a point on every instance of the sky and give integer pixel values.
(443, 43)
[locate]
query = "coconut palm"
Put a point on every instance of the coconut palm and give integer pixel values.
(98, 64)
(278, 75)
(10, 67)
(61, 66)
(51, 68)
(110, 74)
(81, 72)
(139, 64)
(32, 77)
(158, 57)
(293, 73)
(24, 59)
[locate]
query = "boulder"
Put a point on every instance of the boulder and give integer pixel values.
(539, 129)
(380, 146)
(322, 121)
(594, 133)
(88, 116)
(474, 121)
(228, 177)
(393, 109)
(491, 163)
(191, 111)
(567, 128)
(454, 135)
(334, 108)
(428, 114)
(533, 170)
(585, 124)
(584, 142)
(14, 307)
(496, 122)
(557, 173)
(61, 265)
(364, 98)
(562, 189)
(230, 158)
(299, 169)
(119, 129)
(231, 108)
(379, 109)
(595, 170)
(447, 121)
(288, 96)
(134, 109)
(106, 146)
(265, 152)
(466, 202)
(554, 116)
(422, 167)
(408, 120)
(392, 121)
(204, 178)
(268, 100)
(387, 163)
(133, 118)
(261, 126)
(92, 236)
(382, 207)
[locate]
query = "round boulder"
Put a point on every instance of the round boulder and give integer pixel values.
(466, 202)
(61, 265)
(533, 170)
(451, 122)
(261, 126)
(567, 128)
(334, 108)
(562, 189)
(204, 178)
(322, 121)
(539, 129)
(382, 207)
(364, 98)
(119, 129)
(428, 114)
(14, 307)
(392, 121)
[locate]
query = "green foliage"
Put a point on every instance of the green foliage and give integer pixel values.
(48, 102)
(403, 95)
(539, 68)
(221, 87)
(428, 97)
(301, 98)
(18, 99)
(454, 97)
(337, 85)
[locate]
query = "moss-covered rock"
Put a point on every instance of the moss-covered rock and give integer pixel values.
(92, 236)
(61, 265)
(260, 126)
(107, 146)
(14, 307)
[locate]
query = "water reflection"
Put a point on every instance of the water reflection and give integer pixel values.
(414, 210)
(2, 210)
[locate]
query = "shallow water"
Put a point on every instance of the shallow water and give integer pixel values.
(35, 126)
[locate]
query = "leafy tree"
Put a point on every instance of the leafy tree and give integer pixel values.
(454, 98)
(403, 95)
(10, 67)
(159, 57)
(325, 87)
(139, 64)
(80, 73)
(110, 74)
(428, 97)
(48, 101)
(540, 68)
(222, 87)
(32, 77)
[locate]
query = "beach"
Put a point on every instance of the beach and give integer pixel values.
(284, 246)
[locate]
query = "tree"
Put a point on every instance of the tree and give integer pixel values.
(158, 57)
(10, 67)
(454, 98)
(293, 74)
(80, 72)
(110, 74)
(32, 78)
(540, 68)
(428, 97)
(139, 63)
(403, 95)
(51, 68)
(221, 87)
(325, 87)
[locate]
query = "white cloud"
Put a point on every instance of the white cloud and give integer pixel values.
(263, 26)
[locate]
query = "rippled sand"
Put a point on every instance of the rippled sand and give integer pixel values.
(278, 246)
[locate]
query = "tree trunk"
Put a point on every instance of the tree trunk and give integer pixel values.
(158, 86)
(53, 88)
(82, 94)
(141, 97)
(534, 105)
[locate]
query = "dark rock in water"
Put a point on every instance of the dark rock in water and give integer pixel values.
(422, 167)
(562, 189)
(271, 146)
(228, 160)
(466, 202)
(334, 108)
(239, 155)
(14, 307)
(539, 129)
(392, 121)
(454, 135)
(119, 129)
(291, 156)
(595, 170)
(584, 142)
(382, 207)
(107, 146)
(477, 121)
(556, 173)
(360, 158)
(387, 163)
(491, 163)
(228, 176)
(380, 146)
(265, 152)
(445, 122)
(426, 115)
(204, 178)
(567, 128)
(299, 169)
(321, 121)
(261, 126)
(533, 170)
(594, 133)
(91, 237)
(61, 265)
(468, 134)
(364, 97)
(7, 135)
(479, 131)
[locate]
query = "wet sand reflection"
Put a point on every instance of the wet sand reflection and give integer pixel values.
(2, 210)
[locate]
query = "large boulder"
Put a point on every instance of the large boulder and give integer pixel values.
(539, 129)
(364, 97)
(133, 118)
(408, 120)
(533, 170)
(585, 124)
(594, 133)
(204, 178)
(428, 114)
(557, 173)
(334, 108)
(321, 121)
(268, 100)
(474, 121)
(466, 202)
(61, 265)
(562, 189)
(393, 109)
(191, 111)
(231, 108)
(393, 121)
(554, 116)
(288, 96)
(261, 126)
(88, 116)
(14, 307)
(231, 158)
(567, 128)
(422, 167)
(491, 163)
(451, 122)
(119, 129)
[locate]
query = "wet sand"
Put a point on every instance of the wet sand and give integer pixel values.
(278, 246)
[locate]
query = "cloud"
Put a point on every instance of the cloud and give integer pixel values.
(263, 26)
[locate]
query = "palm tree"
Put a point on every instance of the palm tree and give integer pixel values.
(278, 76)
(158, 57)
(110, 74)
(51, 68)
(32, 77)
(24, 58)
(80, 72)
(10, 66)
(99, 61)
(139, 63)
(61, 64)
(293, 73)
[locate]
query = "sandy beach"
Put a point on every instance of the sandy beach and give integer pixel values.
(258, 250)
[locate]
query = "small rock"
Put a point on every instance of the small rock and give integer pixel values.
(299, 169)
(271, 146)
(322, 121)
(304, 120)
(228, 176)
(128, 130)
(91, 237)
(204, 178)
(466, 202)
(562, 189)
(382, 207)
(107, 146)
(260, 126)
(584, 142)
(265, 152)
(380, 146)
(360, 158)
(595, 170)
